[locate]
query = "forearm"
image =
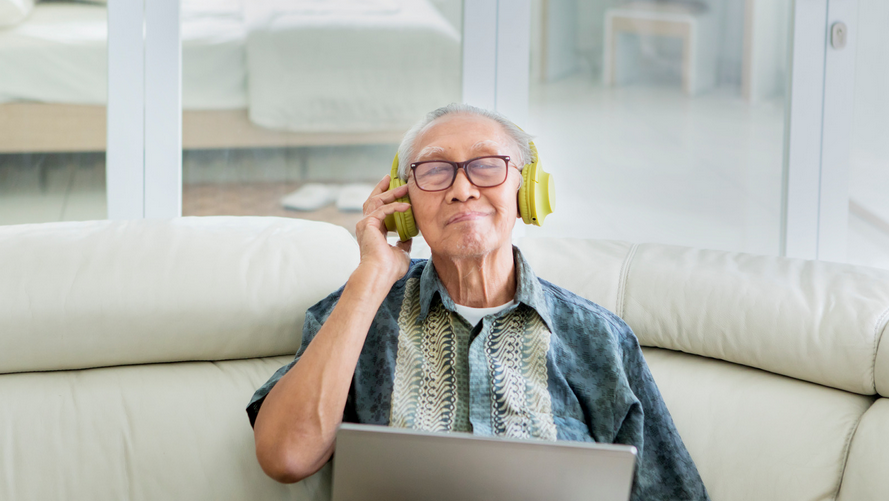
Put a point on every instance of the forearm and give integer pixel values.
(296, 425)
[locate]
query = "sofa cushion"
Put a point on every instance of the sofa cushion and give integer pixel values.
(150, 432)
(103, 293)
(757, 435)
(865, 476)
(811, 320)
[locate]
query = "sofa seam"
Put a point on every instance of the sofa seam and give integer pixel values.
(141, 364)
(624, 277)
(848, 449)
(879, 332)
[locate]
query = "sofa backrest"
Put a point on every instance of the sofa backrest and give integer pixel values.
(793, 416)
(815, 321)
(108, 293)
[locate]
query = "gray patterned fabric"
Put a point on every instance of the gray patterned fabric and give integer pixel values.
(552, 366)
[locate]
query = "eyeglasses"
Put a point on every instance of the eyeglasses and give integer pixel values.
(438, 175)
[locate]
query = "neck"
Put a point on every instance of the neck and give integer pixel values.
(478, 281)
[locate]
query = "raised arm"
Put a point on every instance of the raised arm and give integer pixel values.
(297, 422)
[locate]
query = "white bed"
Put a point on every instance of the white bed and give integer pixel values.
(313, 66)
(363, 70)
(59, 55)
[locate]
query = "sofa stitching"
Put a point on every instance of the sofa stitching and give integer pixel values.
(848, 449)
(622, 285)
(879, 329)
(140, 364)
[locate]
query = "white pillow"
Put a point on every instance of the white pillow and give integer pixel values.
(13, 11)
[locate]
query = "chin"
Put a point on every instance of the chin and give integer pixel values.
(469, 244)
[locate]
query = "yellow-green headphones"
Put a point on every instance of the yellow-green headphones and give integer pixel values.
(536, 198)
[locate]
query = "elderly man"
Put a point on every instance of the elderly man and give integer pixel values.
(470, 340)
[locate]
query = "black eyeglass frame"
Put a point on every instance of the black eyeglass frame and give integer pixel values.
(462, 165)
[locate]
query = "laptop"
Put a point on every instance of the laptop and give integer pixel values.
(380, 463)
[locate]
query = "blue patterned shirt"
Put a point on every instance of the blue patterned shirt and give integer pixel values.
(552, 366)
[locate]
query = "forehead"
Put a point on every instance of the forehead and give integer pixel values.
(460, 135)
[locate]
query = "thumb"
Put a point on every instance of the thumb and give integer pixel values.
(405, 246)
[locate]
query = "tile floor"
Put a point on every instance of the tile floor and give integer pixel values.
(652, 164)
(642, 164)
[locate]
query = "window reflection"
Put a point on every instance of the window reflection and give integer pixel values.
(311, 99)
(52, 113)
(663, 121)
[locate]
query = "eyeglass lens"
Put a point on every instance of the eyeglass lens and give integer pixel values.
(482, 172)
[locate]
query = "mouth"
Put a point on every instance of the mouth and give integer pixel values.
(467, 216)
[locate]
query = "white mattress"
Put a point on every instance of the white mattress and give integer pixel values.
(59, 55)
(349, 65)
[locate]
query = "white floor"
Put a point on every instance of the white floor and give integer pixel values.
(650, 164)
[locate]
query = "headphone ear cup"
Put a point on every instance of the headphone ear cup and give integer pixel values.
(524, 194)
(401, 222)
(537, 196)
(405, 224)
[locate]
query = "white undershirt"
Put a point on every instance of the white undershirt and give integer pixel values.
(474, 315)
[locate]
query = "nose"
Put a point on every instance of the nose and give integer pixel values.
(462, 190)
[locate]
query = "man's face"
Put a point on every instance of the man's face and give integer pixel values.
(465, 220)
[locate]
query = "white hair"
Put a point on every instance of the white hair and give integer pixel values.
(520, 138)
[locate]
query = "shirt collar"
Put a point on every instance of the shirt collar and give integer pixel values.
(528, 289)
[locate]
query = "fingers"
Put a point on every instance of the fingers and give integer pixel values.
(379, 199)
(377, 217)
(382, 186)
(391, 208)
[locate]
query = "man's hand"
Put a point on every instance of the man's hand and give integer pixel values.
(392, 261)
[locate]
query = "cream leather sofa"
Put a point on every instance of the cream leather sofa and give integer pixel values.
(128, 351)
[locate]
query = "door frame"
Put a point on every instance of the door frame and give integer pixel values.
(144, 135)
(818, 132)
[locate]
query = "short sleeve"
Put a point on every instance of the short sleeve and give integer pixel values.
(315, 318)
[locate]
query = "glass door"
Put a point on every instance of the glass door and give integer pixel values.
(295, 109)
(663, 121)
(53, 79)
